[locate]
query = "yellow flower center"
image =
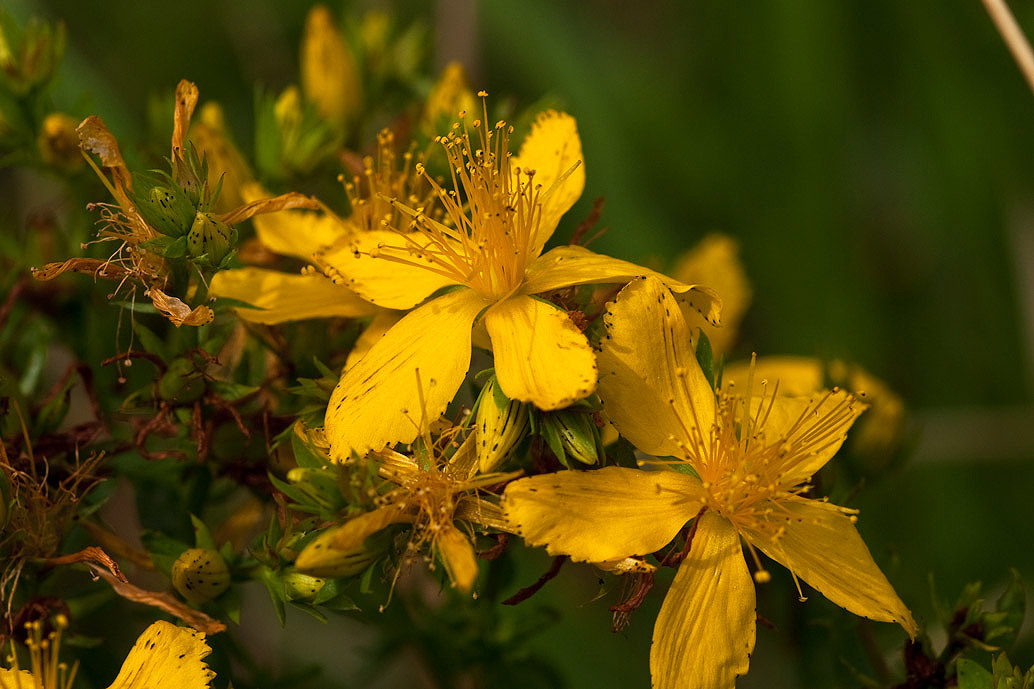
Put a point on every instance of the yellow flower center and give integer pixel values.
(748, 472)
(492, 212)
(383, 178)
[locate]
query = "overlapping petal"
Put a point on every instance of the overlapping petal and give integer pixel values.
(651, 384)
(294, 232)
(797, 375)
(705, 631)
(406, 380)
(602, 515)
(820, 544)
(554, 151)
(811, 429)
(541, 357)
(281, 297)
(566, 266)
(360, 265)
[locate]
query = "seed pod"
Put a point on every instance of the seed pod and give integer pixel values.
(210, 237)
(181, 382)
(303, 587)
(321, 559)
(200, 575)
(500, 424)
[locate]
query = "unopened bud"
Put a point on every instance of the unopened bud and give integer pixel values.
(500, 424)
(200, 575)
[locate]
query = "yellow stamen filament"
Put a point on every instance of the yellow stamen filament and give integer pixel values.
(491, 214)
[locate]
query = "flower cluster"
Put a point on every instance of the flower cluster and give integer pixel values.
(373, 389)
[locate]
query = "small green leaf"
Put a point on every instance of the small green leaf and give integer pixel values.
(970, 675)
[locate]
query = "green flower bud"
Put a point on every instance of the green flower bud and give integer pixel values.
(200, 575)
(320, 485)
(181, 382)
(321, 559)
(578, 435)
(210, 237)
(303, 587)
(499, 424)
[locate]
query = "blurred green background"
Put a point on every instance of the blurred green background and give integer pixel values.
(873, 158)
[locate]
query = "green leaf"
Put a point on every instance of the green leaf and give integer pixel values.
(971, 675)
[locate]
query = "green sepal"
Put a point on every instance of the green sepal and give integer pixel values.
(163, 550)
(202, 535)
(163, 204)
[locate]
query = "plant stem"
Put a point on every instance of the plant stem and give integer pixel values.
(1013, 37)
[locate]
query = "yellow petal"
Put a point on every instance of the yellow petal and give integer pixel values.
(457, 554)
(554, 151)
(352, 534)
(820, 544)
(424, 357)
(381, 281)
(705, 630)
(321, 559)
(16, 679)
(294, 232)
(329, 74)
(715, 262)
(797, 375)
(809, 429)
(650, 382)
(603, 515)
(282, 297)
(566, 266)
(541, 356)
(383, 321)
(166, 657)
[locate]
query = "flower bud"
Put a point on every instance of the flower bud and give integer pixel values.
(200, 575)
(321, 559)
(58, 142)
(578, 435)
(499, 424)
(329, 74)
(303, 587)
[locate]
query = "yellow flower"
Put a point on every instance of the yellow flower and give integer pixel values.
(752, 457)
(500, 211)
(715, 262)
(281, 297)
(433, 493)
(879, 434)
(164, 657)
